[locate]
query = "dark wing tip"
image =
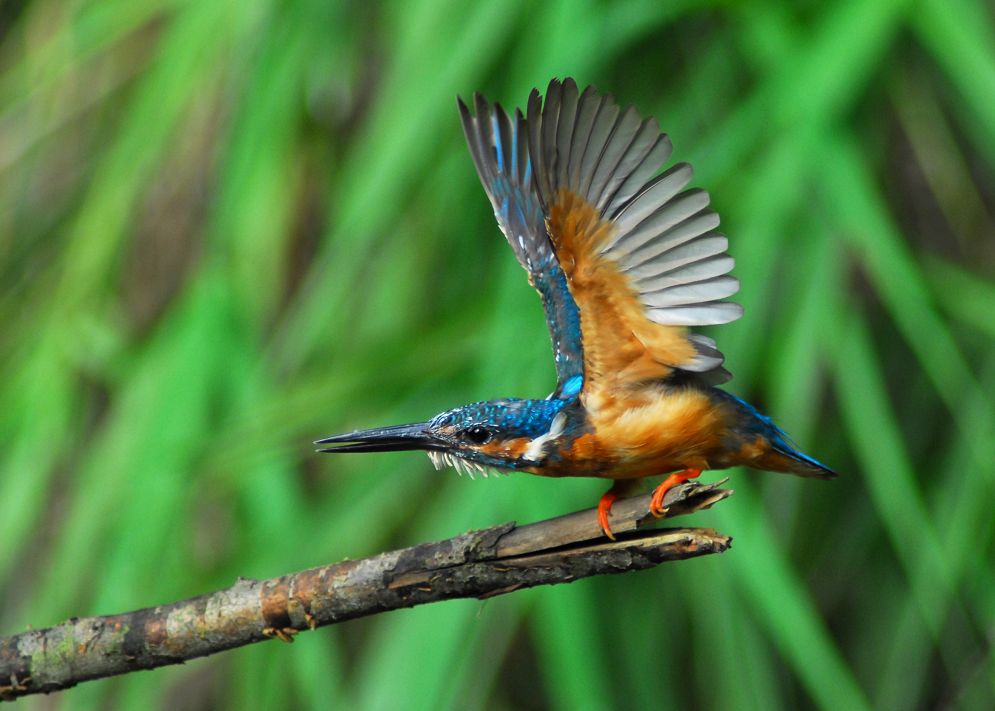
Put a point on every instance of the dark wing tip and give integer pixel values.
(480, 104)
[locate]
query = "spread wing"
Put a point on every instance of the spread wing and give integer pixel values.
(641, 257)
(499, 146)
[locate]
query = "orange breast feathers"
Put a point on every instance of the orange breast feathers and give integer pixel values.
(621, 345)
(653, 433)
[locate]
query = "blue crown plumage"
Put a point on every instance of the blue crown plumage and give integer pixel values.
(513, 417)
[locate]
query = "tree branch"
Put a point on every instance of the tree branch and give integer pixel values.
(479, 564)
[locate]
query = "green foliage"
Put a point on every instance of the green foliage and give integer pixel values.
(227, 229)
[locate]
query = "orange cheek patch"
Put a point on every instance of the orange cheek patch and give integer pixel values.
(509, 448)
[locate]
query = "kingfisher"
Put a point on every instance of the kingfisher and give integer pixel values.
(626, 261)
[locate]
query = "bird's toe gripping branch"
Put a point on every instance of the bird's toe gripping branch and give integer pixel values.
(656, 503)
(625, 487)
(621, 488)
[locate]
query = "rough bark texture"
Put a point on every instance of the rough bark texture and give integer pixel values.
(477, 564)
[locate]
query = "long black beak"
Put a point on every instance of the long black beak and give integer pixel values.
(384, 439)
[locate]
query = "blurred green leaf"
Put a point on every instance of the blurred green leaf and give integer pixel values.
(226, 230)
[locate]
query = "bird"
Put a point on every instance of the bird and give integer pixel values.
(627, 261)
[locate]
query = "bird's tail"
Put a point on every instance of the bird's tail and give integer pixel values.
(783, 457)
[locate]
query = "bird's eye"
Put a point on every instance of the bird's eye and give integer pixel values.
(477, 434)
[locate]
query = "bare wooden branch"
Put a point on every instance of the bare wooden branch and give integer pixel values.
(478, 564)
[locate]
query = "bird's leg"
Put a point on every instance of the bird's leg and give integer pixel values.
(604, 507)
(656, 503)
(621, 487)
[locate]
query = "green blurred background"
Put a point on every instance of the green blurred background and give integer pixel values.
(229, 228)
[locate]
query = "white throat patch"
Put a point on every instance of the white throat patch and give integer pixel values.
(534, 452)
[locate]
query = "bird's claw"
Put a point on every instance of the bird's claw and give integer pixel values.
(657, 509)
(656, 502)
(604, 508)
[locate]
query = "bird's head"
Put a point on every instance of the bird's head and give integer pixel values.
(503, 435)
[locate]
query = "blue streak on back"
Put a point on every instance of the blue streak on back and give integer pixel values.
(572, 386)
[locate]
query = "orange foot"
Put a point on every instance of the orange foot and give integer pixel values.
(604, 508)
(656, 503)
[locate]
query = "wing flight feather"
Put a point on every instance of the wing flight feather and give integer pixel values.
(640, 251)
(499, 145)
(625, 257)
